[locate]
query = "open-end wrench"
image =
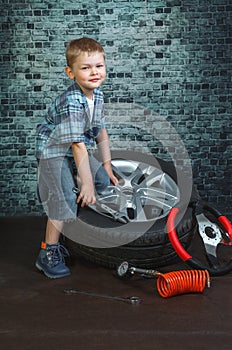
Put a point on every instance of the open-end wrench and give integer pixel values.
(117, 216)
(131, 299)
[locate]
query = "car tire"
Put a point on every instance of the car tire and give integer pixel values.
(149, 249)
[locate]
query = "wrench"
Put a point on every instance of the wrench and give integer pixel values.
(131, 299)
(117, 216)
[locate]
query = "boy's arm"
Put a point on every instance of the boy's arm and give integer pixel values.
(87, 194)
(104, 148)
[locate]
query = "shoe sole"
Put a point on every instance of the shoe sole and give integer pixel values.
(51, 276)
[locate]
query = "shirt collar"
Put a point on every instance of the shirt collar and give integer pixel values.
(80, 94)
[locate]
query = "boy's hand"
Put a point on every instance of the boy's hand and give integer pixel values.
(87, 195)
(109, 171)
(113, 179)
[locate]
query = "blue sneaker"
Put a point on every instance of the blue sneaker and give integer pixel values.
(51, 260)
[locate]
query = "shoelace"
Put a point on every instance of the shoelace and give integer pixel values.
(58, 253)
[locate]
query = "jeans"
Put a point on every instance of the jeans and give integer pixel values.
(55, 184)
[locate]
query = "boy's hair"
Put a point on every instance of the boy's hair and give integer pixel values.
(75, 47)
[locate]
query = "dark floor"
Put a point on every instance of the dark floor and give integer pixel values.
(36, 314)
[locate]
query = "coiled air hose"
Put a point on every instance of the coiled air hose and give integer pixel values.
(170, 283)
(182, 282)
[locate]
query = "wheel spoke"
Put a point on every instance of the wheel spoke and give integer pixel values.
(137, 173)
(157, 194)
(140, 213)
(153, 178)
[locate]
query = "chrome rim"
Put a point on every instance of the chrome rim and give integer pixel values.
(144, 192)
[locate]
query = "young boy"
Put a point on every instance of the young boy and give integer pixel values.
(70, 128)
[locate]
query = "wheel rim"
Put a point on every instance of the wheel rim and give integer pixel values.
(144, 192)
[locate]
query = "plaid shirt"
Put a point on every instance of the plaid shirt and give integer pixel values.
(68, 121)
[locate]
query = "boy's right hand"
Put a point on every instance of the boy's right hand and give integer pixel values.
(87, 195)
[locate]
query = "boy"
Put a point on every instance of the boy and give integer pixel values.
(73, 123)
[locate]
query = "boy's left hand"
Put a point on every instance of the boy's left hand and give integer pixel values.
(109, 171)
(113, 179)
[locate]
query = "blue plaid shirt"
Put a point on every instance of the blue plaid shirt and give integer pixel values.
(68, 121)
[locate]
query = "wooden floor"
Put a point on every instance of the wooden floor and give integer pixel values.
(37, 314)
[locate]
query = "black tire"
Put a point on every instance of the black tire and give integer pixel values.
(151, 249)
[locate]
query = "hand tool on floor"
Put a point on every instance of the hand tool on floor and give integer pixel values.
(131, 299)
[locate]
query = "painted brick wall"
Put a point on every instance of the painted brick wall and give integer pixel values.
(169, 63)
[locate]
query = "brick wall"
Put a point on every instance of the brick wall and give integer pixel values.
(170, 59)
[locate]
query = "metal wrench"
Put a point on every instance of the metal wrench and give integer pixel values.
(131, 299)
(117, 216)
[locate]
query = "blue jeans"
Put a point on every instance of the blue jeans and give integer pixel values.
(55, 184)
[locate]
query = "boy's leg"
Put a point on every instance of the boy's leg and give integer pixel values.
(55, 183)
(53, 230)
(55, 190)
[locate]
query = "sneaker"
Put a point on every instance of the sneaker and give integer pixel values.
(51, 260)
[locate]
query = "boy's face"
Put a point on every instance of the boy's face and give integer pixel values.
(88, 71)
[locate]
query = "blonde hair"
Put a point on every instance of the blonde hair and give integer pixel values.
(75, 47)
